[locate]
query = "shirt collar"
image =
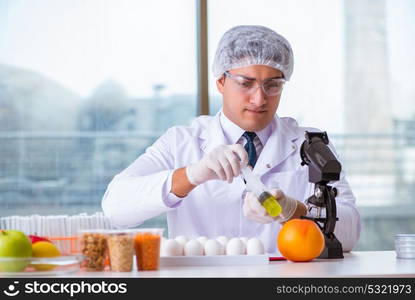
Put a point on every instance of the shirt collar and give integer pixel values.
(265, 133)
(233, 132)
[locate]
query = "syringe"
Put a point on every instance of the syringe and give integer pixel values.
(255, 185)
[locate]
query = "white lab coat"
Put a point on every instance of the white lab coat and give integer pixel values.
(142, 190)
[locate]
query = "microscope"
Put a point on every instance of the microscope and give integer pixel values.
(323, 167)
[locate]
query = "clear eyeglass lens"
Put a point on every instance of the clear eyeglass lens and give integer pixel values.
(270, 87)
(273, 87)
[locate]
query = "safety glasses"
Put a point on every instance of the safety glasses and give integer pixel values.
(271, 87)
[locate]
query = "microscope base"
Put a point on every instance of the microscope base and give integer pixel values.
(332, 249)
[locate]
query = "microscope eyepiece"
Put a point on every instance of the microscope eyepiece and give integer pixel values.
(323, 165)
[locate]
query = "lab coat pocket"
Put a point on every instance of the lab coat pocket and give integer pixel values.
(293, 183)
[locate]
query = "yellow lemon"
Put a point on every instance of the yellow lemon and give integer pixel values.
(44, 249)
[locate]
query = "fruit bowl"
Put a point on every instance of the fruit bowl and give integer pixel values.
(34, 266)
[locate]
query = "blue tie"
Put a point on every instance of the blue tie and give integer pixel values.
(250, 147)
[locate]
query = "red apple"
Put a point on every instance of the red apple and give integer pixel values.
(35, 239)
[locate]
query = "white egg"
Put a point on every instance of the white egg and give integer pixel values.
(235, 247)
(254, 246)
(213, 247)
(171, 247)
(202, 240)
(223, 240)
(181, 239)
(193, 247)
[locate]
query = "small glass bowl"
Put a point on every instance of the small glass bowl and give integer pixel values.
(405, 246)
(28, 266)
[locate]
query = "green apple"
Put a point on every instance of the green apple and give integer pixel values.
(14, 244)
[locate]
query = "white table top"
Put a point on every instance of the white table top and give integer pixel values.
(354, 264)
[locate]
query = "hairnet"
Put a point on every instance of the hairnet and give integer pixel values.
(247, 45)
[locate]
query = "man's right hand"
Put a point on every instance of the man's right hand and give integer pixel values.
(224, 163)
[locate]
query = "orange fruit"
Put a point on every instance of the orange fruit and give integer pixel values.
(44, 249)
(300, 240)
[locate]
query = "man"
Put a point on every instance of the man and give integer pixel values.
(193, 173)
